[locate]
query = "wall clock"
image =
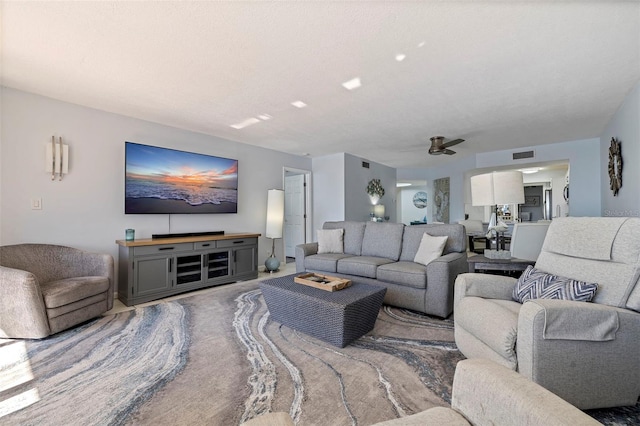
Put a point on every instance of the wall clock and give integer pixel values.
(615, 166)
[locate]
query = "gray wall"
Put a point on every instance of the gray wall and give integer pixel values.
(625, 126)
(455, 171)
(584, 159)
(357, 202)
(86, 208)
(582, 155)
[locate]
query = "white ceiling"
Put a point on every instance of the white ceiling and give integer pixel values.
(498, 74)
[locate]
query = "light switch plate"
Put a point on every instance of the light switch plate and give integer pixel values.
(36, 204)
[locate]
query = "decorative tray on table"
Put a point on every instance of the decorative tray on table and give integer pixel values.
(324, 282)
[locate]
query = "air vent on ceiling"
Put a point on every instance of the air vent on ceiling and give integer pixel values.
(365, 164)
(523, 154)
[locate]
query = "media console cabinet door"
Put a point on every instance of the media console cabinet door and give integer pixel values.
(152, 275)
(245, 260)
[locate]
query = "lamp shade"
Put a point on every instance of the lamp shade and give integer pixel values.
(497, 188)
(275, 213)
(378, 210)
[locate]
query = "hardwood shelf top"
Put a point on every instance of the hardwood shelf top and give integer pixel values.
(176, 240)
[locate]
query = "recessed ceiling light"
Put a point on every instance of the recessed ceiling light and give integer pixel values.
(265, 117)
(400, 57)
(298, 104)
(402, 184)
(245, 123)
(354, 83)
(421, 44)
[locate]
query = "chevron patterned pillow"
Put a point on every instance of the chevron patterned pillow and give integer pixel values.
(536, 284)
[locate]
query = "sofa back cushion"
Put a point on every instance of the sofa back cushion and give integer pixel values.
(382, 239)
(456, 243)
(353, 235)
(602, 250)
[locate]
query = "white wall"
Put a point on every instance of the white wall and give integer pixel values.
(624, 126)
(409, 212)
(86, 209)
(328, 190)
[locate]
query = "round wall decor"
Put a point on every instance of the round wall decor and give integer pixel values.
(615, 166)
(420, 199)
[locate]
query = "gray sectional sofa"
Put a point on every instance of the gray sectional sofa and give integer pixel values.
(383, 253)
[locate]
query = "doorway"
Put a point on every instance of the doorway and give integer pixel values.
(297, 208)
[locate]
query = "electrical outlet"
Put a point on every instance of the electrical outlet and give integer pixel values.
(36, 204)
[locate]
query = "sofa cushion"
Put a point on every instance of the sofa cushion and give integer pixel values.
(62, 292)
(364, 266)
(330, 241)
(430, 249)
(382, 240)
(353, 234)
(457, 241)
(327, 262)
(537, 284)
(406, 273)
(473, 314)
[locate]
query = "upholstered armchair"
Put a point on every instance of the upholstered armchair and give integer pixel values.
(586, 353)
(46, 288)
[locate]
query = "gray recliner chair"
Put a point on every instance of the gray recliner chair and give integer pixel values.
(46, 288)
(586, 353)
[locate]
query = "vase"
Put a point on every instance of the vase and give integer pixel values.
(272, 264)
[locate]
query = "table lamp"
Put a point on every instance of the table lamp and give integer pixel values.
(495, 188)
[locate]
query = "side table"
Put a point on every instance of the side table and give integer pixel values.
(506, 266)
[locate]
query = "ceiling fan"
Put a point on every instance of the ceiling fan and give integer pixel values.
(438, 146)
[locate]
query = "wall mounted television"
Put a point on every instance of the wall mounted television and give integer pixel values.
(162, 180)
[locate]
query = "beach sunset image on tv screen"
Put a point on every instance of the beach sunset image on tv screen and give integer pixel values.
(161, 180)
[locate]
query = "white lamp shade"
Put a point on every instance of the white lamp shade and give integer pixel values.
(497, 188)
(378, 210)
(275, 213)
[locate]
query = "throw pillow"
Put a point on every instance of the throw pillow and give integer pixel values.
(330, 241)
(537, 284)
(430, 248)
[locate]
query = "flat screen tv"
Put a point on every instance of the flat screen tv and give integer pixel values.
(162, 180)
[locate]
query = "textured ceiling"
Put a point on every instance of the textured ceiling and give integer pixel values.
(498, 74)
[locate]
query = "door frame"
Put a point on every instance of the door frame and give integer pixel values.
(308, 200)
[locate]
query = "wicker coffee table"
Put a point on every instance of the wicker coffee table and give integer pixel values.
(337, 318)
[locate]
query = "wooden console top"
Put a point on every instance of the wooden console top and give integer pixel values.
(158, 241)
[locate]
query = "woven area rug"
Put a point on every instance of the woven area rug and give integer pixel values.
(216, 358)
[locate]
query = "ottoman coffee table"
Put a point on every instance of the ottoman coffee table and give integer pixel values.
(338, 317)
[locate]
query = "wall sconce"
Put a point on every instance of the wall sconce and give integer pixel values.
(57, 158)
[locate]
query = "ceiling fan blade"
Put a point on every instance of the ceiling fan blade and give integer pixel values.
(452, 143)
(448, 152)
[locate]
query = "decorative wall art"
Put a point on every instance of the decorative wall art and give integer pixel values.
(375, 191)
(441, 200)
(615, 166)
(420, 199)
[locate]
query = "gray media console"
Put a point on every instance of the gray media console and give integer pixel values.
(155, 268)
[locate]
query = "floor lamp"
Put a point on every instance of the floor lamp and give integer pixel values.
(275, 222)
(495, 188)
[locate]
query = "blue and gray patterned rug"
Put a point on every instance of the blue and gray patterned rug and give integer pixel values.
(216, 358)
